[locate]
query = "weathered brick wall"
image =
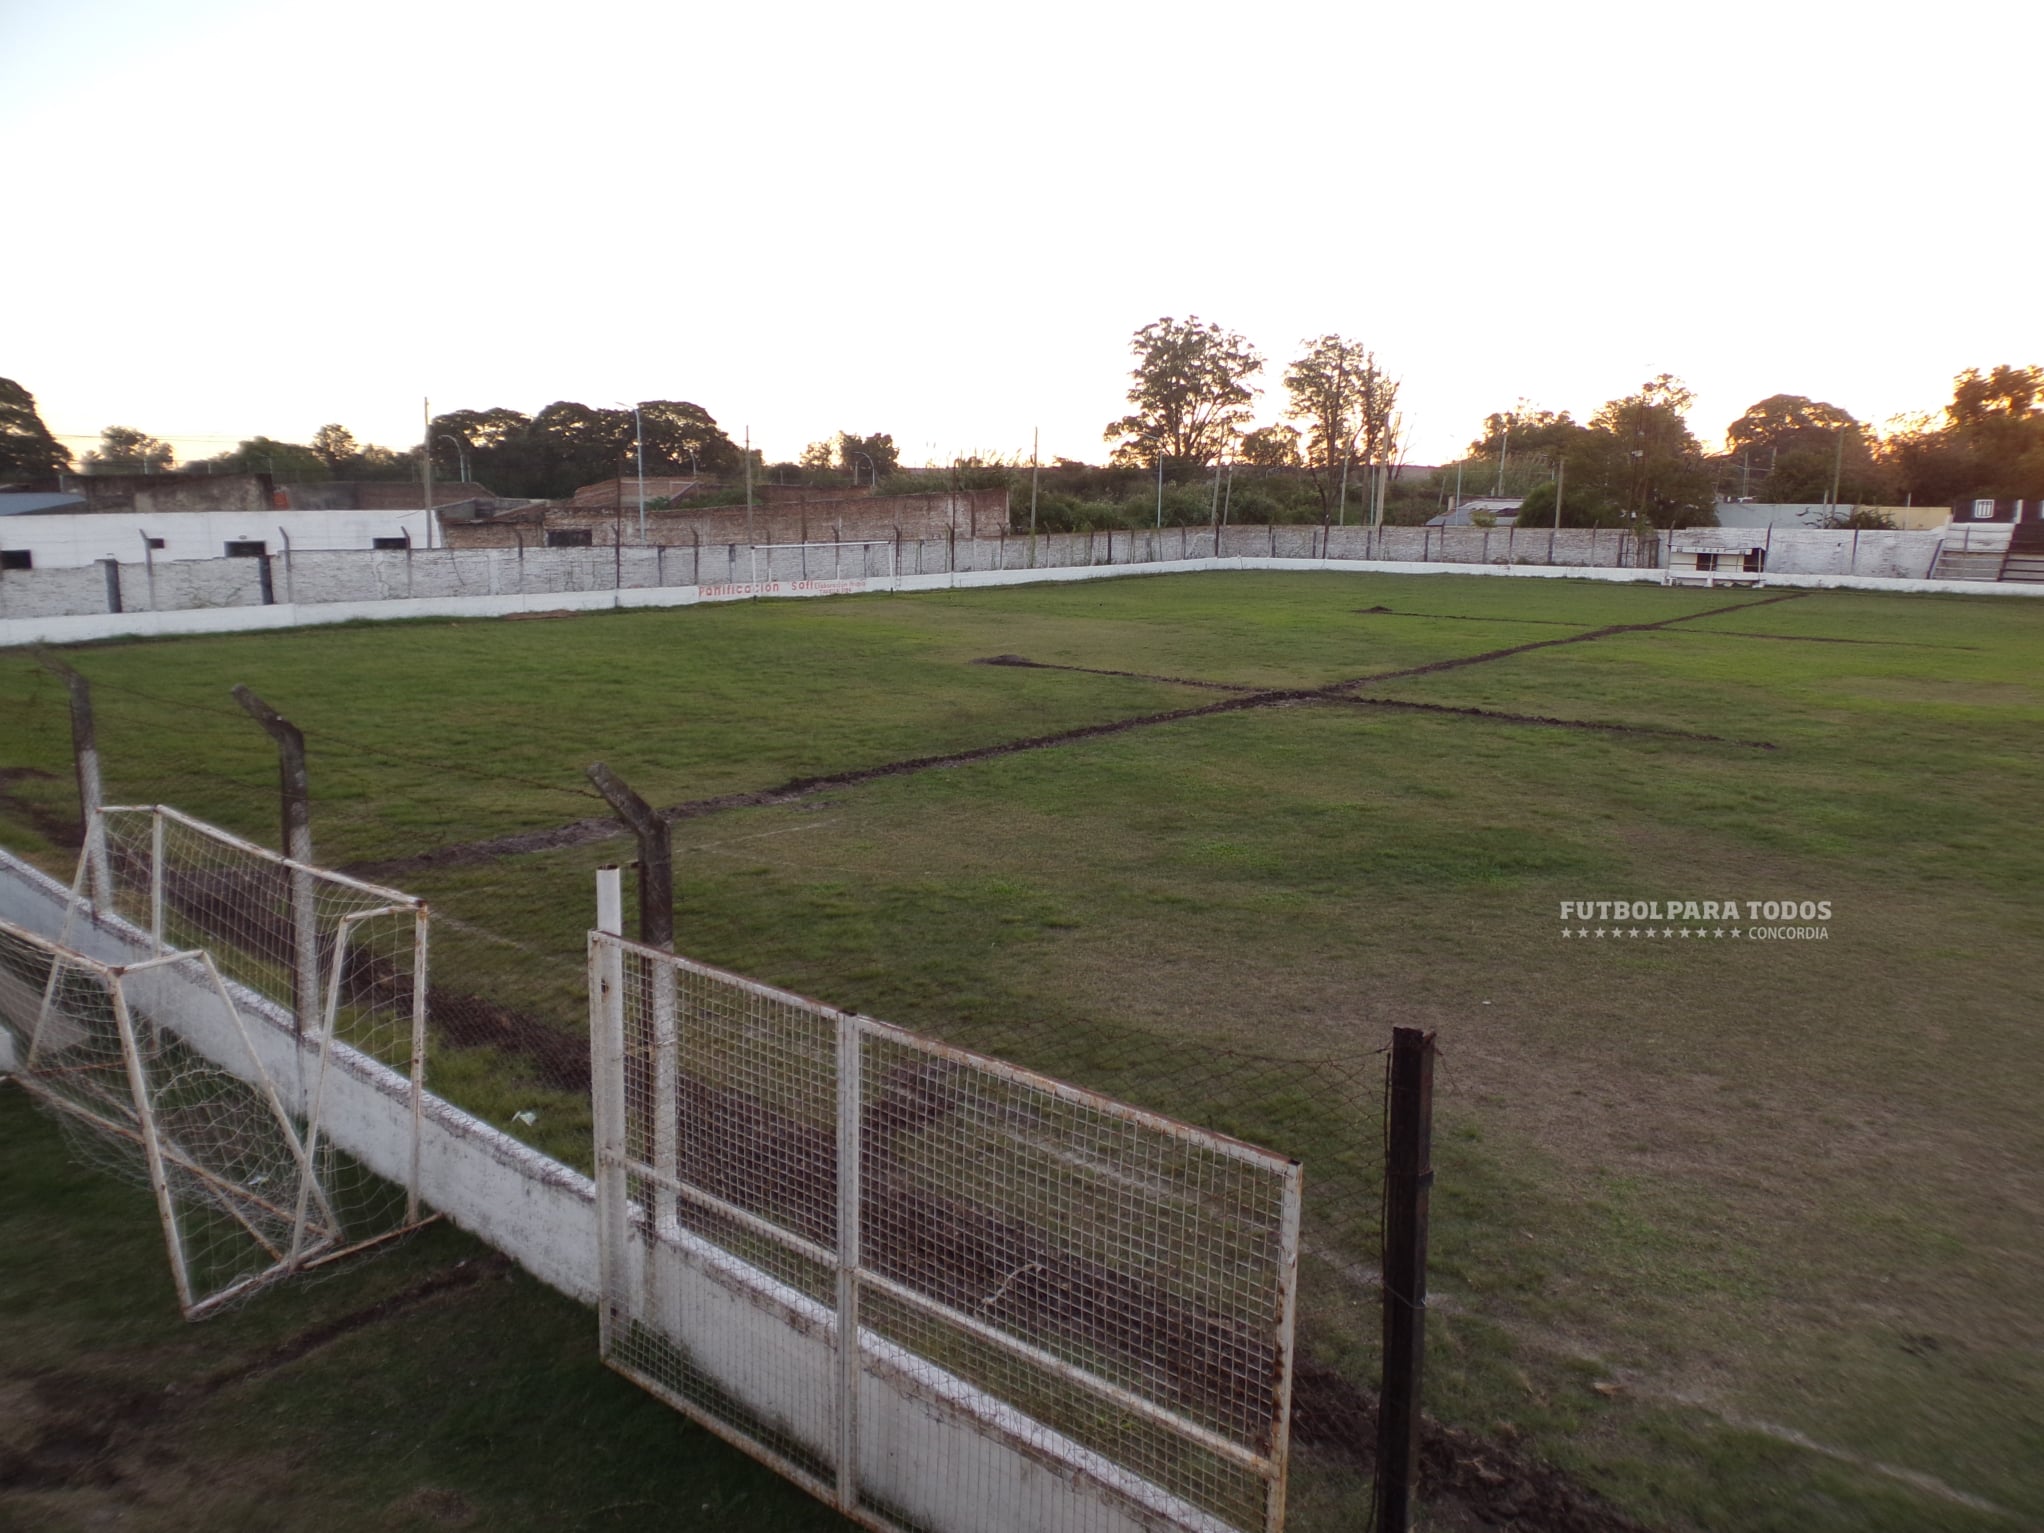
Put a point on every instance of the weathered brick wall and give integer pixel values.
(846, 519)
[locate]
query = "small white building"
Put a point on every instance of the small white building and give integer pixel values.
(60, 540)
(1723, 559)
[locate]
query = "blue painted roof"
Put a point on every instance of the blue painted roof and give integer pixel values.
(22, 503)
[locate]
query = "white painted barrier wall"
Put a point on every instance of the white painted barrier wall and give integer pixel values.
(931, 1446)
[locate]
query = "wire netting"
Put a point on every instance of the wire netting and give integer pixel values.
(185, 1108)
(343, 959)
(1120, 1283)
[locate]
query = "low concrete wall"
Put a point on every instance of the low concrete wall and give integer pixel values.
(929, 1443)
(224, 596)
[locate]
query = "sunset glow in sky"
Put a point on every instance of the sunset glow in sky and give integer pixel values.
(231, 218)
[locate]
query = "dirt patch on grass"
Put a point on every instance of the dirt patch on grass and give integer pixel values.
(1544, 721)
(1609, 630)
(1026, 663)
(463, 1274)
(1465, 1480)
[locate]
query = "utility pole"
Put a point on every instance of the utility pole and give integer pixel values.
(425, 460)
(639, 438)
(1341, 503)
(1160, 486)
(1560, 479)
(1837, 466)
(1504, 452)
(1035, 439)
(750, 538)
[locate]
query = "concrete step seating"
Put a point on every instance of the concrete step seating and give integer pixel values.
(1959, 564)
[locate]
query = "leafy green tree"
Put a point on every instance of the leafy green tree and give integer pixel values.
(1989, 442)
(878, 449)
(1665, 480)
(1349, 406)
(334, 445)
(26, 446)
(1789, 447)
(1270, 448)
(125, 450)
(684, 437)
(1191, 393)
(1582, 505)
(284, 462)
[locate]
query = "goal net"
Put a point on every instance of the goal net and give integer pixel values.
(152, 1071)
(343, 963)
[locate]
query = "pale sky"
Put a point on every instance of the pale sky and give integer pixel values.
(232, 217)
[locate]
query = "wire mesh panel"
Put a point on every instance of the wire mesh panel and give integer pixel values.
(151, 1071)
(1103, 1288)
(346, 959)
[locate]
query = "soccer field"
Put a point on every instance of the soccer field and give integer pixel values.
(1739, 1213)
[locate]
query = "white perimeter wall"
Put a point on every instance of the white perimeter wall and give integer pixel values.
(929, 1444)
(68, 540)
(66, 606)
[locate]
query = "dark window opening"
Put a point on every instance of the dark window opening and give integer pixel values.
(390, 542)
(570, 537)
(1706, 561)
(16, 559)
(155, 543)
(1756, 560)
(238, 548)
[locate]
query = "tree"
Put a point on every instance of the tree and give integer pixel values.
(1990, 441)
(124, 450)
(1348, 404)
(284, 462)
(1191, 393)
(334, 445)
(26, 446)
(1666, 482)
(1789, 447)
(816, 457)
(1998, 425)
(878, 449)
(1269, 447)
(683, 436)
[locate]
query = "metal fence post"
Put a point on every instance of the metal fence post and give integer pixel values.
(1408, 1173)
(85, 761)
(296, 794)
(656, 930)
(850, 1112)
(607, 1097)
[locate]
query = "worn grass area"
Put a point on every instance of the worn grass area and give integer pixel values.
(425, 1388)
(1745, 1233)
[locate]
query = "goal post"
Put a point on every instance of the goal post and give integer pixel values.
(151, 1070)
(344, 960)
(863, 560)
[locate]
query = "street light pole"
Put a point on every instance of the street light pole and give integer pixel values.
(461, 452)
(639, 442)
(873, 472)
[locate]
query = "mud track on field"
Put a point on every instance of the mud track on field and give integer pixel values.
(1696, 633)
(1494, 715)
(602, 828)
